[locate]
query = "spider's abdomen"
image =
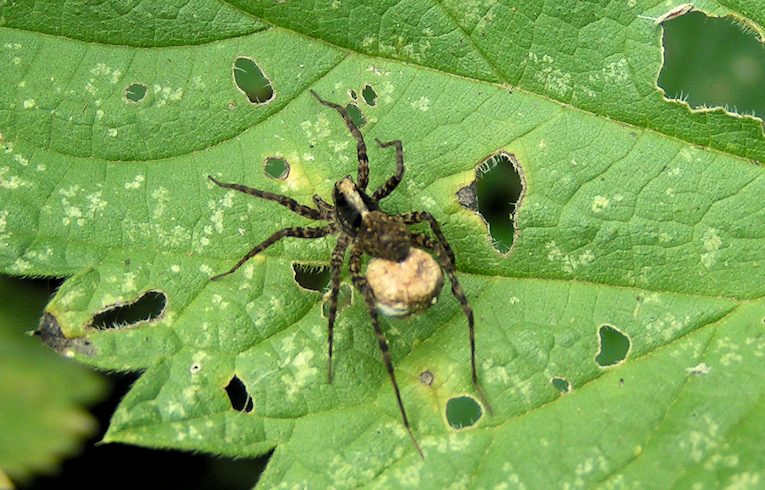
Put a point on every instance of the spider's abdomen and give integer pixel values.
(403, 288)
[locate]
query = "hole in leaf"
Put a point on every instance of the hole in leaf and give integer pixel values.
(498, 190)
(462, 411)
(352, 94)
(240, 399)
(344, 298)
(135, 92)
(561, 384)
(369, 94)
(148, 307)
(356, 116)
(712, 61)
(276, 168)
(614, 346)
(250, 79)
(427, 378)
(314, 277)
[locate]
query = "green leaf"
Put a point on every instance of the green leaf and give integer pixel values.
(638, 214)
(41, 417)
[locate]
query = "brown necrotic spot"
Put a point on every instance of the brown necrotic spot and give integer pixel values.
(135, 92)
(276, 167)
(50, 333)
(237, 393)
(462, 412)
(614, 346)
(427, 378)
(148, 307)
(251, 80)
(313, 277)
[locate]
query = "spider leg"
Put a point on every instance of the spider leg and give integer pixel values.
(296, 232)
(361, 284)
(439, 248)
(325, 208)
(336, 266)
(419, 217)
(395, 179)
(285, 201)
(361, 147)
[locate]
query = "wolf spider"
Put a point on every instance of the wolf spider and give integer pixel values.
(359, 224)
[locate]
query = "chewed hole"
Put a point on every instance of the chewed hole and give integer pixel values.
(713, 61)
(314, 277)
(276, 168)
(561, 384)
(240, 399)
(352, 94)
(135, 92)
(369, 95)
(463, 411)
(356, 116)
(148, 307)
(251, 80)
(498, 193)
(614, 346)
(344, 298)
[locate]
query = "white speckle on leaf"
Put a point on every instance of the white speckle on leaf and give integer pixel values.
(29, 104)
(368, 41)
(422, 104)
(569, 262)
(73, 214)
(699, 369)
(136, 182)
(303, 372)
(744, 481)
(206, 269)
(20, 159)
(161, 198)
(599, 203)
(551, 77)
(711, 242)
(21, 265)
(175, 268)
(163, 95)
(428, 201)
(129, 284)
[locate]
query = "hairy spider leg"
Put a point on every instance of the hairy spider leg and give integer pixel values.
(361, 147)
(419, 217)
(423, 241)
(394, 180)
(285, 201)
(336, 266)
(361, 284)
(296, 232)
(327, 210)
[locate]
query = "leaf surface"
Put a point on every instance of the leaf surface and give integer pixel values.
(638, 214)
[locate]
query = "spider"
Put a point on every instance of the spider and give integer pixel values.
(361, 226)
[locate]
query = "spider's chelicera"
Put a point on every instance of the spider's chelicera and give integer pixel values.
(363, 228)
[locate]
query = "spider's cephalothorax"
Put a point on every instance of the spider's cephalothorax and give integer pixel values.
(361, 226)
